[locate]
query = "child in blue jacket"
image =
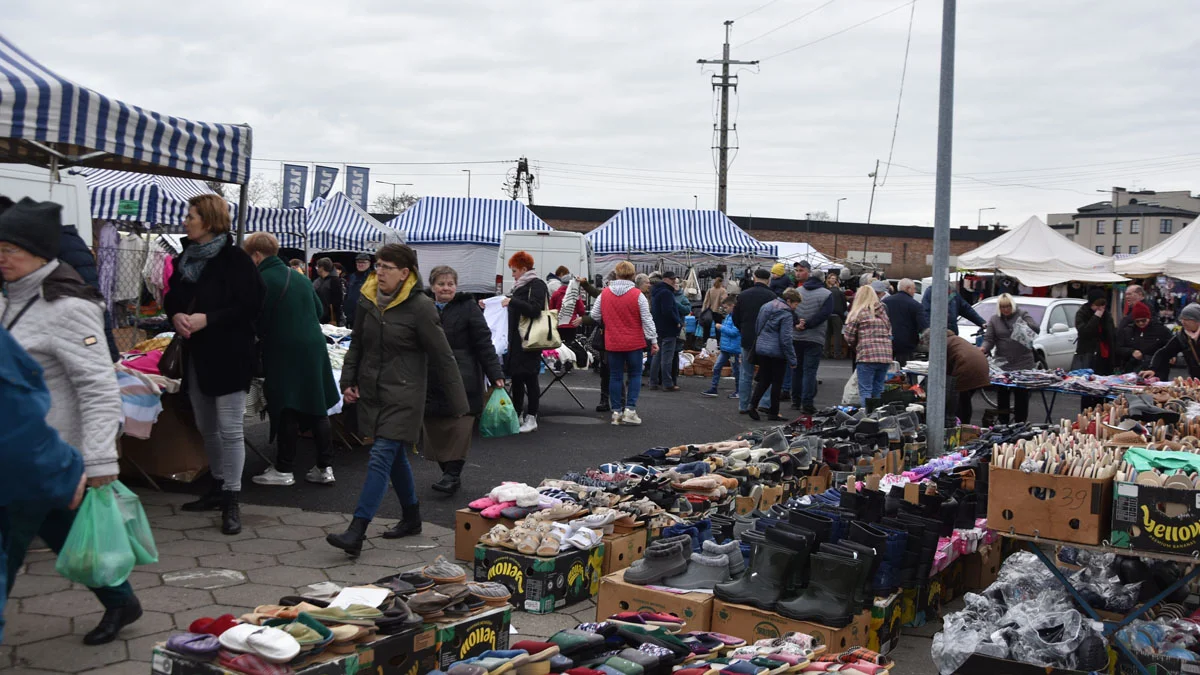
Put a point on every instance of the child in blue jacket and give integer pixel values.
(730, 346)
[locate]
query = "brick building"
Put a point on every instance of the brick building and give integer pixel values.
(901, 250)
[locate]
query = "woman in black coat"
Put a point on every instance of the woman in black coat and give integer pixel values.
(530, 297)
(447, 438)
(214, 301)
(1095, 347)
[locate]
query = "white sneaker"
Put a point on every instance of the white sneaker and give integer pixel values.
(529, 425)
(616, 418)
(321, 476)
(273, 477)
(631, 417)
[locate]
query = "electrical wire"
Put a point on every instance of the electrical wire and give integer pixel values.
(373, 163)
(833, 35)
(760, 8)
(899, 97)
(786, 24)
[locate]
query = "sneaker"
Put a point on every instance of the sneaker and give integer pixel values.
(616, 418)
(529, 424)
(735, 395)
(711, 393)
(273, 477)
(631, 417)
(320, 476)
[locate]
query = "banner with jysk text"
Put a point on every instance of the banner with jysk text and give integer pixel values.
(323, 180)
(295, 181)
(358, 179)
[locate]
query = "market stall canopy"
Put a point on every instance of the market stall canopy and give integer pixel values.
(793, 252)
(1037, 255)
(461, 220)
(48, 120)
(1176, 256)
(666, 231)
(338, 224)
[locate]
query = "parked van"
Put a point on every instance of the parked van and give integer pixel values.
(23, 180)
(549, 250)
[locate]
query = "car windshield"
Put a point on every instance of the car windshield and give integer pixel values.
(987, 309)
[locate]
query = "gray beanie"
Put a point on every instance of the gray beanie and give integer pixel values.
(1191, 312)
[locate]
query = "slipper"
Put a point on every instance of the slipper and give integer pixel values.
(492, 593)
(418, 580)
(429, 604)
(461, 668)
(517, 512)
(346, 633)
(201, 645)
(482, 503)
(585, 539)
(526, 540)
(457, 592)
(443, 571)
(273, 645)
(251, 664)
(729, 640)
(499, 536)
(495, 511)
(307, 630)
(235, 638)
(357, 615)
(213, 626)
(538, 651)
(563, 511)
(550, 545)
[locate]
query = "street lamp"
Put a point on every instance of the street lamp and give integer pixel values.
(837, 217)
(696, 202)
(393, 192)
(468, 172)
(979, 216)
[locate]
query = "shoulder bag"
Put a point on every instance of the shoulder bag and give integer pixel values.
(540, 333)
(171, 363)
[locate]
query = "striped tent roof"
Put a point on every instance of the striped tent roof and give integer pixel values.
(44, 115)
(634, 230)
(462, 220)
(338, 224)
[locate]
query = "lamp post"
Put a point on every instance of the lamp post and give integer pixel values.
(696, 202)
(394, 185)
(468, 172)
(837, 211)
(979, 216)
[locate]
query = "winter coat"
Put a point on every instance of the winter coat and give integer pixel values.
(998, 336)
(957, 307)
(1148, 341)
(393, 350)
(713, 299)
(745, 312)
(667, 319)
(1093, 331)
(624, 328)
(908, 320)
(685, 305)
(870, 333)
(63, 330)
(354, 285)
(1180, 343)
(816, 306)
(299, 376)
(774, 331)
(839, 301)
(966, 364)
(471, 342)
(529, 301)
(780, 284)
(230, 294)
(74, 251)
(329, 291)
(731, 337)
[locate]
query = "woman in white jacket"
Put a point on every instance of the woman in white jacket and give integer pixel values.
(59, 320)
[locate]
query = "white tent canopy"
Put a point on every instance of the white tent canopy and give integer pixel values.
(1176, 256)
(793, 252)
(1037, 255)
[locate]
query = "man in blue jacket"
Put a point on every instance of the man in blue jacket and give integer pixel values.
(957, 307)
(668, 322)
(38, 466)
(908, 319)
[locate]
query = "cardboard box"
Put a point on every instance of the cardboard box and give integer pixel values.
(175, 449)
(1159, 519)
(981, 568)
(1154, 663)
(694, 608)
(751, 624)
(471, 636)
(815, 484)
(469, 526)
(1077, 510)
(744, 505)
(542, 585)
(410, 652)
(978, 664)
(883, 633)
(620, 550)
(771, 496)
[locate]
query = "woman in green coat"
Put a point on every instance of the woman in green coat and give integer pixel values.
(299, 384)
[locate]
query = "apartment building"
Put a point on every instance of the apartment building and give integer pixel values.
(1130, 223)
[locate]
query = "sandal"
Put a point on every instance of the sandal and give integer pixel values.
(499, 536)
(550, 545)
(585, 539)
(527, 540)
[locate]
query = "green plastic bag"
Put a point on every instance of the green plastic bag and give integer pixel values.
(141, 539)
(97, 552)
(499, 416)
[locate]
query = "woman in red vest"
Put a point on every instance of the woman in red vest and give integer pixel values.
(628, 326)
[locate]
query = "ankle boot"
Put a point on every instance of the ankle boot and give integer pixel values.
(831, 602)
(112, 622)
(763, 582)
(410, 523)
(351, 540)
(231, 513)
(209, 501)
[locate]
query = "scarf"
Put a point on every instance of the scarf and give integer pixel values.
(383, 299)
(196, 256)
(525, 279)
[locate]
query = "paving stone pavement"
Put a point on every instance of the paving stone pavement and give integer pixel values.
(204, 573)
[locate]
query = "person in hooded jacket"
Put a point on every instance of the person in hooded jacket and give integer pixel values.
(774, 352)
(354, 283)
(1186, 342)
(329, 289)
(1095, 348)
(812, 316)
(998, 338)
(446, 438)
(628, 326)
(1139, 339)
(668, 321)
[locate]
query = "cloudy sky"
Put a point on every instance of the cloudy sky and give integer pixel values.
(1054, 100)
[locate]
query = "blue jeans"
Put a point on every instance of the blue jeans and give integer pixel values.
(871, 377)
(734, 361)
(660, 367)
(618, 364)
(388, 461)
(787, 381)
(808, 360)
(745, 381)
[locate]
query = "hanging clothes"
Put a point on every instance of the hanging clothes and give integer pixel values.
(152, 273)
(106, 261)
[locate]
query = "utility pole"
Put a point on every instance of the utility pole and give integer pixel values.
(837, 217)
(874, 176)
(724, 82)
(521, 177)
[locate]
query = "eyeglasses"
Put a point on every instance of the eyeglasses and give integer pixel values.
(379, 267)
(10, 250)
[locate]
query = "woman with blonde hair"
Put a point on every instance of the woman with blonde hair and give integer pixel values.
(628, 326)
(869, 332)
(1011, 354)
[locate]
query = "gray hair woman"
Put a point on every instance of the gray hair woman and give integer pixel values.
(998, 340)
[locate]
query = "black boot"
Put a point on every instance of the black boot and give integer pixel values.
(351, 540)
(763, 582)
(112, 622)
(451, 478)
(604, 404)
(830, 603)
(209, 501)
(410, 523)
(231, 513)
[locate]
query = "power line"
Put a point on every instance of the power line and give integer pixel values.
(760, 8)
(844, 30)
(787, 23)
(373, 163)
(900, 97)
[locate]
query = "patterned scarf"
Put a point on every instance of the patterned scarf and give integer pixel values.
(196, 256)
(525, 279)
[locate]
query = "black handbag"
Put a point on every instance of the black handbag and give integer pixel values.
(171, 363)
(706, 318)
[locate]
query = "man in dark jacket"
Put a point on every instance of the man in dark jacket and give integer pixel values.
(835, 348)
(908, 320)
(329, 290)
(1186, 341)
(362, 270)
(780, 281)
(958, 307)
(667, 322)
(808, 338)
(745, 315)
(967, 371)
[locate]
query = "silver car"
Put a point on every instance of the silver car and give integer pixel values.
(1055, 317)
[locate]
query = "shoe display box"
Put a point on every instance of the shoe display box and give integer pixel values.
(621, 550)
(752, 624)
(981, 568)
(979, 664)
(469, 526)
(1076, 510)
(471, 636)
(542, 585)
(771, 495)
(1154, 663)
(695, 608)
(883, 632)
(1148, 518)
(410, 652)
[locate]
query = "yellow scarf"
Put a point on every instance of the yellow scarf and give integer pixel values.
(370, 289)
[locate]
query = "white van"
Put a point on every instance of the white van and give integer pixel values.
(23, 180)
(549, 250)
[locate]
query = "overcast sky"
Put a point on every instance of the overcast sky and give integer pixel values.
(1054, 100)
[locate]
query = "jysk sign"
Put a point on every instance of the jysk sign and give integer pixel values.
(357, 180)
(295, 180)
(323, 178)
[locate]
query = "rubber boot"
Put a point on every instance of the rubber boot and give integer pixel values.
(799, 541)
(209, 501)
(231, 513)
(763, 583)
(891, 570)
(815, 523)
(350, 541)
(876, 540)
(410, 523)
(875, 505)
(863, 593)
(830, 603)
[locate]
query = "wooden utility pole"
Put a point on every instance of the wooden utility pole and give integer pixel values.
(724, 82)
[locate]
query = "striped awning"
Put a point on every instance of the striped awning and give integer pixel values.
(636, 230)
(462, 220)
(288, 225)
(338, 224)
(46, 118)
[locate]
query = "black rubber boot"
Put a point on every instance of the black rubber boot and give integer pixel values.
(799, 541)
(350, 541)
(447, 484)
(112, 622)
(831, 602)
(850, 549)
(231, 513)
(763, 582)
(820, 525)
(209, 501)
(410, 523)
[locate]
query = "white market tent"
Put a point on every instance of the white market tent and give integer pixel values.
(1176, 256)
(1037, 255)
(338, 224)
(464, 233)
(682, 236)
(793, 252)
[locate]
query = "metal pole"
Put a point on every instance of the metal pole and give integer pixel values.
(468, 172)
(723, 160)
(242, 206)
(935, 411)
(870, 207)
(837, 218)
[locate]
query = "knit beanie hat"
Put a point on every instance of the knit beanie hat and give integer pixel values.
(777, 269)
(1191, 312)
(1140, 311)
(1094, 295)
(33, 226)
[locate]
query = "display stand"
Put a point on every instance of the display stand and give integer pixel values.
(558, 379)
(1111, 627)
(1048, 403)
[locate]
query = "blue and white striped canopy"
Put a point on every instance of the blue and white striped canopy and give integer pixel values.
(44, 115)
(338, 224)
(288, 225)
(462, 220)
(635, 230)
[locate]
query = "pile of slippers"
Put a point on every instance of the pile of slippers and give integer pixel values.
(547, 538)
(518, 500)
